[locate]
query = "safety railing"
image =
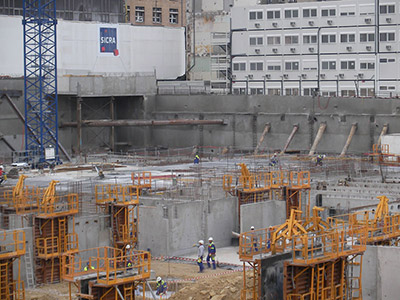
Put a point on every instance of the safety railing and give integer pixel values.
(127, 195)
(48, 247)
(227, 183)
(109, 265)
(311, 248)
(72, 244)
(380, 148)
(141, 180)
(255, 242)
(18, 290)
(300, 180)
(12, 243)
(126, 234)
(280, 179)
(306, 296)
(28, 200)
(59, 205)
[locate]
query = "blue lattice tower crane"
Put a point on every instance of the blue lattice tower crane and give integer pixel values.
(40, 72)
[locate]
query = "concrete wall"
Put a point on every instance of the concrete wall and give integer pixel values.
(246, 116)
(175, 227)
(93, 231)
(379, 275)
(262, 214)
(151, 49)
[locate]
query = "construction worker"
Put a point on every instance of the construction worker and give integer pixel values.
(88, 267)
(200, 254)
(129, 265)
(274, 160)
(254, 238)
(127, 250)
(1, 174)
(196, 159)
(212, 251)
(319, 160)
(161, 286)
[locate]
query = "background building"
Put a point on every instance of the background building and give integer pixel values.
(156, 12)
(345, 48)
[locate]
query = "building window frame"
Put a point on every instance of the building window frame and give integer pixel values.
(157, 15)
(310, 13)
(328, 12)
(292, 65)
(273, 14)
(139, 14)
(174, 16)
(257, 66)
(256, 15)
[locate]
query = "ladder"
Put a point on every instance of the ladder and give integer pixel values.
(128, 292)
(320, 281)
(4, 292)
(354, 277)
(30, 281)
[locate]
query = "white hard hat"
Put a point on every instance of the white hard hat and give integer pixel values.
(252, 227)
(159, 279)
(128, 246)
(201, 242)
(210, 238)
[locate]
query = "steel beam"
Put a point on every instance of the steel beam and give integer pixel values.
(349, 138)
(318, 138)
(383, 132)
(290, 138)
(119, 123)
(266, 130)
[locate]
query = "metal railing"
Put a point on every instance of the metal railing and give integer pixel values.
(127, 195)
(12, 243)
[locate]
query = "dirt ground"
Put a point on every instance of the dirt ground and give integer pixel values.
(221, 287)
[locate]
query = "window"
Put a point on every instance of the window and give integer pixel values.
(387, 9)
(274, 67)
(291, 65)
(309, 12)
(273, 14)
(331, 12)
(256, 91)
(255, 15)
(256, 66)
(348, 10)
(365, 92)
(291, 13)
(367, 65)
(329, 65)
(255, 41)
(291, 39)
(328, 94)
(328, 38)
(156, 15)
(239, 91)
(387, 60)
(139, 14)
(292, 92)
(309, 39)
(387, 36)
(239, 66)
(348, 93)
(274, 92)
(348, 65)
(347, 38)
(173, 16)
(273, 40)
(367, 37)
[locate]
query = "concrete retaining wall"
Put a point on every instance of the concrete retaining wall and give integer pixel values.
(172, 228)
(379, 276)
(262, 214)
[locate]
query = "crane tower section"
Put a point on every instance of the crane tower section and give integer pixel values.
(40, 73)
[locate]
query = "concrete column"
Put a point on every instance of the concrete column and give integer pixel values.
(318, 138)
(79, 123)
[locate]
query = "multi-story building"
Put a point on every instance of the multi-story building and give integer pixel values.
(336, 48)
(170, 13)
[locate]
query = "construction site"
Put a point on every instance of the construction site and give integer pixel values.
(114, 175)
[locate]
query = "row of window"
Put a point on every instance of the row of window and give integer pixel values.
(313, 12)
(364, 92)
(325, 39)
(157, 15)
(310, 65)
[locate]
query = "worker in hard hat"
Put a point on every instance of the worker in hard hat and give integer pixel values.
(161, 286)
(127, 250)
(200, 254)
(254, 238)
(212, 251)
(196, 159)
(88, 267)
(274, 160)
(3, 176)
(320, 158)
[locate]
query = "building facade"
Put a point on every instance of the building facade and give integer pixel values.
(331, 48)
(170, 13)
